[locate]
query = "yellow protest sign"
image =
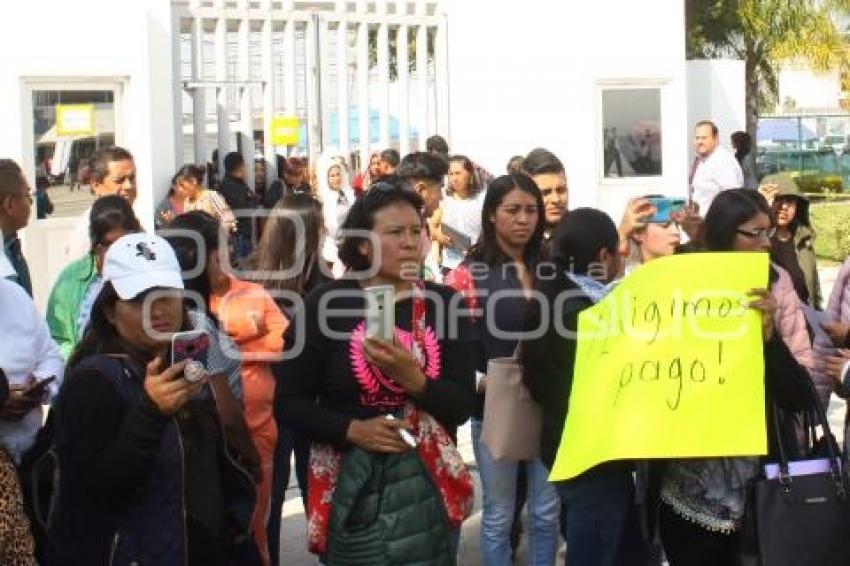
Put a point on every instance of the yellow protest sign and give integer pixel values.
(74, 120)
(669, 364)
(284, 130)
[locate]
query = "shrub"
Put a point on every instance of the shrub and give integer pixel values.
(820, 183)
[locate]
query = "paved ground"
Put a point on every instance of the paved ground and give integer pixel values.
(68, 203)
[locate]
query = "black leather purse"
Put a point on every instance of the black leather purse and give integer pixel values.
(804, 520)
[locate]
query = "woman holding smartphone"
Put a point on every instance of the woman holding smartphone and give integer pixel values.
(250, 317)
(150, 472)
(339, 385)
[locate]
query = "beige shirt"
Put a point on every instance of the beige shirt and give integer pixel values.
(214, 204)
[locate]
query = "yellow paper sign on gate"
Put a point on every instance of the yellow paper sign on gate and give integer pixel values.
(284, 130)
(74, 120)
(668, 365)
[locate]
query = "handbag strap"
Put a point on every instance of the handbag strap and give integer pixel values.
(517, 355)
(833, 450)
(784, 473)
(417, 323)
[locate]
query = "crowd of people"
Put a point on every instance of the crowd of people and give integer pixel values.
(150, 455)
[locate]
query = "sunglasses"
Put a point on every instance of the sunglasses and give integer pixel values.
(765, 233)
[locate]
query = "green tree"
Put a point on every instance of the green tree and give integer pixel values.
(766, 33)
(393, 51)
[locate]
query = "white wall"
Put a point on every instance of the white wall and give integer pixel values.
(528, 75)
(716, 92)
(810, 90)
(128, 40)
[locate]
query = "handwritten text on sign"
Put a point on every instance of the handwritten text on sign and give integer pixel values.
(669, 364)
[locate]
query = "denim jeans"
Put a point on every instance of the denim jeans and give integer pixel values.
(498, 484)
(602, 526)
(288, 441)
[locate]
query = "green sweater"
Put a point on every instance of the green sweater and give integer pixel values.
(63, 306)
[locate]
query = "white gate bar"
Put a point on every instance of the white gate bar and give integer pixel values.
(403, 66)
(383, 98)
(324, 97)
(222, 113)
(246, 126)
(342, 80)
(441, 82)
(290, 77)
(268, 97)
(312, 98)
(246, 132)
(176, 92)
(199, 99)
(363, 84)
(422, 75)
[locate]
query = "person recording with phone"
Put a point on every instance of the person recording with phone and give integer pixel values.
(152, 472)
(657, 234)
(16, 541)
(250, 317)
(346, 379)
(34, 367)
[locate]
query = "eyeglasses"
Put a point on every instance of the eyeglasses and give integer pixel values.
(764, 233)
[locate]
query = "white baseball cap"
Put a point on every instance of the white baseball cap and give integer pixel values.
(138, 262)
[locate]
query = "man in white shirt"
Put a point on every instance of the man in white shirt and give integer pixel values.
(715, 168)
(28, 355)
(113, 172)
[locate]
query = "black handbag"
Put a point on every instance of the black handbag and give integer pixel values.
(804, 520)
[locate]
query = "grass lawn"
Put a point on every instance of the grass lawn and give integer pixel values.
(832, 224)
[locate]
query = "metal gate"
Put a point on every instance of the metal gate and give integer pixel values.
(359, 76)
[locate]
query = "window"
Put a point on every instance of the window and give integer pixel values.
(631, 132)
(71, 120)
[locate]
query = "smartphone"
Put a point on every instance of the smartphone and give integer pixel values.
(664, 207)
(380, 312)
(191, 345)
(38, 386)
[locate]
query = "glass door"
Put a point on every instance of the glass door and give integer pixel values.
(70, 122)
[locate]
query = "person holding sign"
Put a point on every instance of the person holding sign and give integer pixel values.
(601, 524)
(703, 500)
(499, 272)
